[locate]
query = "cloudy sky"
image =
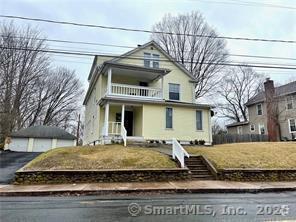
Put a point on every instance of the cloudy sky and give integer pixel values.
(239, 18)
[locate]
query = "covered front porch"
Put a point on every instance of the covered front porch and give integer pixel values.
(122, 120)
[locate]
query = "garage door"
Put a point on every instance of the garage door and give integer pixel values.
(41, 145)
(61, 143)
(19, 144)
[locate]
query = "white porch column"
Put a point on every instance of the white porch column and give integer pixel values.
(122, 114)
(106, 119)
(210, 128)
(109, 89)
(162, 90)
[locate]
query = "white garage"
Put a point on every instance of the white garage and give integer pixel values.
(40, 139)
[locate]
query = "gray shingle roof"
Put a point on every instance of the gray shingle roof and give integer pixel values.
(44, 132)
(237, 124)
(279, 91)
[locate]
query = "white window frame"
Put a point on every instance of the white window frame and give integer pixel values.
(152, 58)
(289, 123)
(179, 86)
(291, 100)
(239, 130)
(201, 112)
(259, 129)
(166, 118)
(260, 104)
(251, 128)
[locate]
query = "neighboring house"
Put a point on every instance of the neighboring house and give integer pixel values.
(144, 95)
(40, 139)
(272, 112)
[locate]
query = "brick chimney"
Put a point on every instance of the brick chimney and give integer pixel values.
(271, 107)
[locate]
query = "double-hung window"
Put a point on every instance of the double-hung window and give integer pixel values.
(259, 110)
(169, 118)
(151, 60)
(198, 120)
(292, 125)
(290, 102)
(174, 91)
(261, 129)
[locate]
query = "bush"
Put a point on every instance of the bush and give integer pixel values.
(151, 141)
(157, 141)
(163, 142)
(196, 142)
(1, 146)
(191, 142)
(201, 142)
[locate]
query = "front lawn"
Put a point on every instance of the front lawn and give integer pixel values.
(266, 155)
(100, 157)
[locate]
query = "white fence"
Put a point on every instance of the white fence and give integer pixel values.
(137, 91)
(179, 152)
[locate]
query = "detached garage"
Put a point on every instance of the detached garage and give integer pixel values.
(40, 139)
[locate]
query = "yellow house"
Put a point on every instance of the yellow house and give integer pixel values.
(143, 95)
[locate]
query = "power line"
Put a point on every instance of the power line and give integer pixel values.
(90, 54)
(143, 30)
(132, 47)
(246, 3)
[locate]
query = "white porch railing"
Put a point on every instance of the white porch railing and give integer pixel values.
(135, 91)
(123, 135)
(114, 128)
(179, 152)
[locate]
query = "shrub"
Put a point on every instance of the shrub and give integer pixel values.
(201, 142)
(1, 146)
(191, 142)
(196, 142)
(163, 142)
(151, 141)
(157, 141)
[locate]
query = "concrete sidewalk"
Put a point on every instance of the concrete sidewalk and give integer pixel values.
(198, 186)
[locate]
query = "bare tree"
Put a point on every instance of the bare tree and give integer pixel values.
(31, 92)
(238, 86)
(202, 56)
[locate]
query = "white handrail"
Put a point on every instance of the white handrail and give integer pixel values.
(179, 152)
(114, 128)
(123, 134)
(138, 91)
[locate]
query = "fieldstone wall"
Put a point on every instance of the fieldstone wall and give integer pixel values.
(257, 174)
(84, 176)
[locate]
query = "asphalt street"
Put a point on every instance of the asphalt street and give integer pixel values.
(153, 207)
(11, 162)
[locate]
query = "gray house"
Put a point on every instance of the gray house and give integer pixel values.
(271, 112)
(40, 139)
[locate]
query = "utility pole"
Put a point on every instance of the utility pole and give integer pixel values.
(78, 131)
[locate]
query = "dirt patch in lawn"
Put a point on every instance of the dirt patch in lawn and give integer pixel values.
(100, 157)
(268, 155)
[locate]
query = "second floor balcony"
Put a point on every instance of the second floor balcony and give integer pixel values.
(136, 82)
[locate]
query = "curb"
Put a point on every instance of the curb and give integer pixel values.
(135, 191)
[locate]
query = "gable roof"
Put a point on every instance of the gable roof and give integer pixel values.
(237, 124)
(93, 77)
(156, 45)
(50, 132)
(279, 91)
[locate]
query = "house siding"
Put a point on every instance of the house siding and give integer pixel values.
(184, 123)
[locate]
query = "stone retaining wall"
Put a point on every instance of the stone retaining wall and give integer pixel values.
(86, 176)
(257, 174)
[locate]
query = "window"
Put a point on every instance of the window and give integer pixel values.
(169, 118)
(151, 60)
(292, 125)
(261, 129)
(240, 130)
(259, 109)
(198, 120)
(290, 102)
(174, 91)
(252, 127)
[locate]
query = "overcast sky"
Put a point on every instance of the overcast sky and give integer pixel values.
(237, 20)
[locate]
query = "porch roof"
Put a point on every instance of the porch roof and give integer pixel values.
(161, 102)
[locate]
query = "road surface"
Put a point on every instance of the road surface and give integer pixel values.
(153, 207)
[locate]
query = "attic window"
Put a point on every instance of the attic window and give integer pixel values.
(151, 60)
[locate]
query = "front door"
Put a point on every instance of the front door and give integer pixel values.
(128, 122)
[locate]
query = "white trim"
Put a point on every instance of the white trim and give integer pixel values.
(290, 125)
(210, 128)
(109, 81)
(239, 132)
(106, 119)
(172, 118)
(30, 145)
(54, 143)
(251, 127)
(259, 129)
(122, 114)
(261, 109)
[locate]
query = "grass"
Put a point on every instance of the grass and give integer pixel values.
(281, 155)
(100, 157)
